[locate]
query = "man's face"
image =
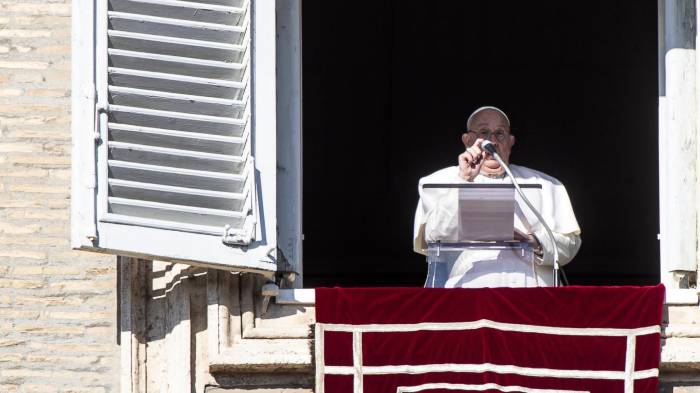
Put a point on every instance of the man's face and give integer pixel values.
(490, 124)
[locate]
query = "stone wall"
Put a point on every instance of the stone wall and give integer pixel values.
(57, 306)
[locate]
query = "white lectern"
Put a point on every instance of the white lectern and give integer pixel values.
(477, 219)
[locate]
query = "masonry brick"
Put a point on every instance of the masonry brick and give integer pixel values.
(100, 271)
(20, 284)
(10, 203)
(684, 315)
(18, 33)
(96, 389)
(86, 377)
(23, 133)
(71, 360)
(23, 254)
(40, 388)
(18, 314)
(75, 256)
(26, 77)
(30, 109)
(24, 65)
(54, 347)
(42, 160)
(47, 93)
(57, 75)
(5, 342)
(99, 331)
(27, 270)
(42, 215)
(23, 172)
(48, 300)
(24, 373)
(57, 148)
(81, 315)
(58, 204)
(54, 229)
(103, 301)
(20, 147)
(42, 20)
(50, 330)
(19, 229)
(38, 9)
(22, 49)
(61, 270)
(61, 34)
(10, 357)
(686, 389)
(62, 174)
(82, 286)
(10, 92)
(54, 50)
(26, 121)
(37, 188)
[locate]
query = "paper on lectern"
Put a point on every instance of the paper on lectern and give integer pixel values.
(469, 214)
(486, 213)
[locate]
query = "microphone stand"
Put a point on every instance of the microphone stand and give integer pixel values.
(488, 146)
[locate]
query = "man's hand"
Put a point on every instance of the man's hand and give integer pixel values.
(529, 238)
(471, 160)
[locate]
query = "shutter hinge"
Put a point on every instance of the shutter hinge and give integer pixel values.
(100, 108)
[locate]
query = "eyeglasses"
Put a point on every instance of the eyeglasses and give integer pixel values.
(500, 135)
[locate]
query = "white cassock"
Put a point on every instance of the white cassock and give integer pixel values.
(501, 268)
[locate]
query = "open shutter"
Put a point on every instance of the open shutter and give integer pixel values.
(185, 125)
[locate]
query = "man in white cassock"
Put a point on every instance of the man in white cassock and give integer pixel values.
(499, 268)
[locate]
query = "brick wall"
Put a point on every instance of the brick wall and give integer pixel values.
(57, 306)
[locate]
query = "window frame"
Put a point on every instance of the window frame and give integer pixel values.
(289, 138)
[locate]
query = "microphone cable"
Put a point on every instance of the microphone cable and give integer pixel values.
(491, 148)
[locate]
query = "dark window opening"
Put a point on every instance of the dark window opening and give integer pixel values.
(387, 91)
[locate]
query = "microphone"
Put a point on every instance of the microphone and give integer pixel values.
(489, 147)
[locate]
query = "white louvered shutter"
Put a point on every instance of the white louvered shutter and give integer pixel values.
(185, 157)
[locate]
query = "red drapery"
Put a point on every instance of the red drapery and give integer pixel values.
(572, 339)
